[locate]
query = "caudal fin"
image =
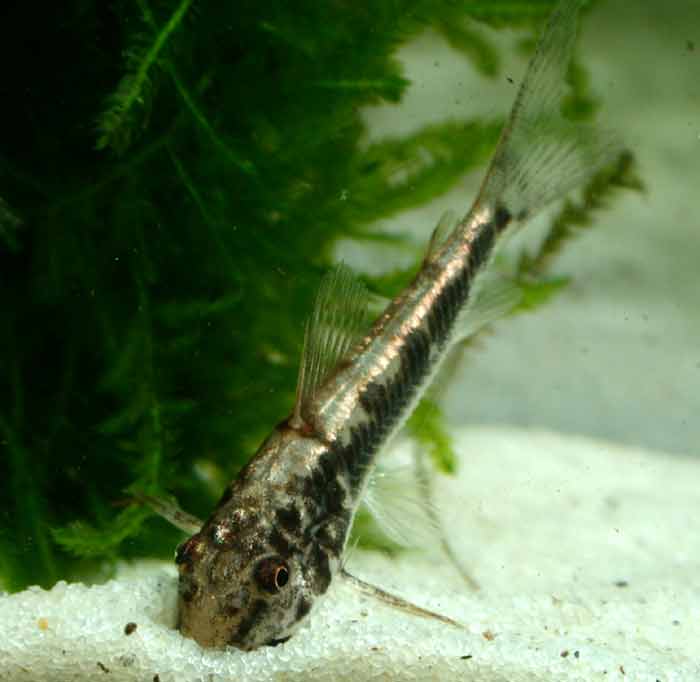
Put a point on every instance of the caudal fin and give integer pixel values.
(541, 155)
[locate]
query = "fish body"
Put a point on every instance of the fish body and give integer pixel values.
(284, 521)
(276, 539)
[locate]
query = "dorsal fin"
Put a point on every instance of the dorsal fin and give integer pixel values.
(336, 323)
(442, 231)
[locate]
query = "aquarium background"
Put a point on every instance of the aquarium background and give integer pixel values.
(176, 177)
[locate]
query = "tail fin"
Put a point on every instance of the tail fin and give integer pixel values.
(541, 155)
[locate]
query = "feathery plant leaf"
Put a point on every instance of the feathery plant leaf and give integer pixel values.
(538, 292)
(397, 174)
(188, 98)
(129, 107)
(139, 430)
(389, 88)
(470, 42)
(84, 540)
(222, 145)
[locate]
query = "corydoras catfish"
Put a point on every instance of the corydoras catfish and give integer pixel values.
(276, 540)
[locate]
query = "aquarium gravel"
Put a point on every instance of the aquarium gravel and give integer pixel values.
(587, 554)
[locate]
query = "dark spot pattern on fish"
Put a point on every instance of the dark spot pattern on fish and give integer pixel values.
(334, 497)
(364, 439)
(322, 570)
(384, 403)
(323, 488)
(328, 466)
(327, 537)
(289, 519)
(331, 535)
(415, 355)
(280, 544)
(188, 551)
(501, 218)
(451, 300)
(303, 608)
(441, 315)
(187, 588)
(229, 609)
(448, 304)
(375, 400)
(257, 610)
(480, 247)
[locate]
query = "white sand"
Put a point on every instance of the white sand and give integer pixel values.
(588, 555)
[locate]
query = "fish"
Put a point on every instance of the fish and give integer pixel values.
(268, 553)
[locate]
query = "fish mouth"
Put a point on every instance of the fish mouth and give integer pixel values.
(281, 640)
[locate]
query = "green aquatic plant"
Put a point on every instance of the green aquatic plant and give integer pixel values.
(173, 177)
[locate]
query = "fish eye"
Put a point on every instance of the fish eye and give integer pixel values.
(281, 577)
(272, 574)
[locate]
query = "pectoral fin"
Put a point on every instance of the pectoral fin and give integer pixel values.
(394, 601)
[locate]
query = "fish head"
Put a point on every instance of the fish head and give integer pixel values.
(268, 551)
(234, 589)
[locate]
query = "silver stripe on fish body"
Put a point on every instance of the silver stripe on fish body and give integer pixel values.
(364, 402)
(275, 541)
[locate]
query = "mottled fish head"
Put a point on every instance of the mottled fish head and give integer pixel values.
(251, 574)
(234, 591)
